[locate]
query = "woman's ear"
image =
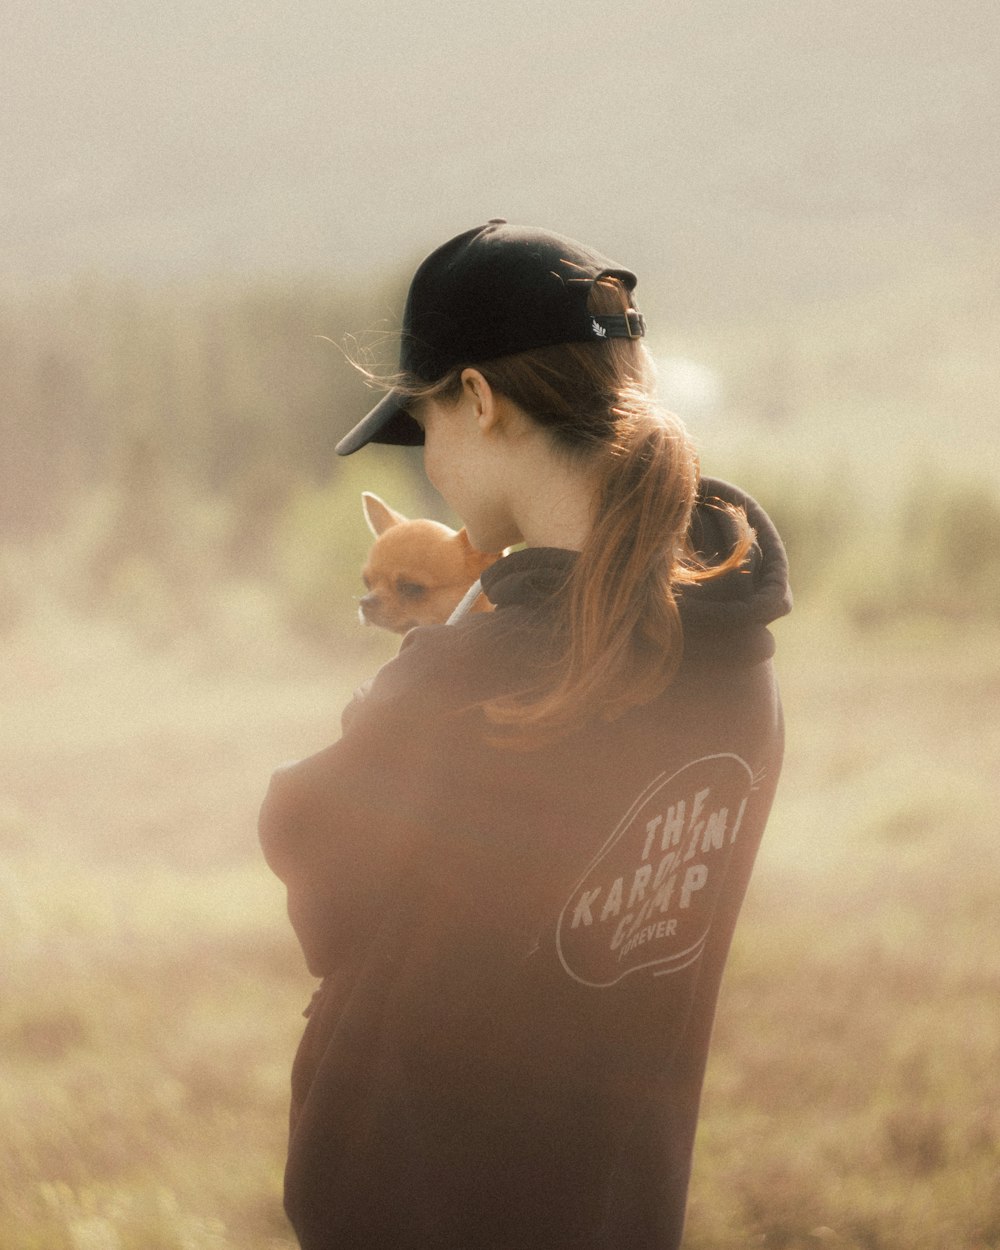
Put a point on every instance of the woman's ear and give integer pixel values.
(477, 392)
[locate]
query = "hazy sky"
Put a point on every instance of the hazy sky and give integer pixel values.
(770, 142)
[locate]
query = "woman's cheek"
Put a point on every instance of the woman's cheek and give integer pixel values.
(440, 479)
(430, 466)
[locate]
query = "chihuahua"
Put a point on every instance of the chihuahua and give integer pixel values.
(417, 572)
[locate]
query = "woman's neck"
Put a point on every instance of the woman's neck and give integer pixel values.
(553, 502)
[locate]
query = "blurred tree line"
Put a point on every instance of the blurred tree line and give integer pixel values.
(232, 392)
(162, 445)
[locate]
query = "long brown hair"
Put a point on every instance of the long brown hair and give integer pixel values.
(621, 626)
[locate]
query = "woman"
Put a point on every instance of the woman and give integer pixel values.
(519, 869)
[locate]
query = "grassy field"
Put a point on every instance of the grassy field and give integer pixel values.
(151, 988)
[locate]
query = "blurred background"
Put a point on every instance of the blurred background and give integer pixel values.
(205, 209)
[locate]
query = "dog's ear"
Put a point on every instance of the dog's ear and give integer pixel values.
(486, 557)
(378, 514)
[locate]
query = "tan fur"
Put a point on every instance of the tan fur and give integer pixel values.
(417, 571)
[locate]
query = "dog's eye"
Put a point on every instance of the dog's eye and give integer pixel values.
(411, 590)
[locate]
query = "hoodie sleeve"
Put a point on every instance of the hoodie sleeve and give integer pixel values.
(340, 827)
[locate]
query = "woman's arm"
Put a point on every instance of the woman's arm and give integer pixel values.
(339, 829)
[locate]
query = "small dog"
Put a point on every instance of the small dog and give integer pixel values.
(417, 571)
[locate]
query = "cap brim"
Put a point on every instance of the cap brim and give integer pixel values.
(388, 422)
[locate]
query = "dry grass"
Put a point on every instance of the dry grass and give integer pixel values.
(151, 987)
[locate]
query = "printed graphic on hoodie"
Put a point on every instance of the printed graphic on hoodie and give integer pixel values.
(645, 904)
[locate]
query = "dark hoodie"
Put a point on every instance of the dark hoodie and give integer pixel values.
(522, 951)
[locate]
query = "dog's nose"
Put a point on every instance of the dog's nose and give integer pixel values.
(367, 603)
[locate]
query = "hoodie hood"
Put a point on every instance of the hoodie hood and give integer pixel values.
(724, 619)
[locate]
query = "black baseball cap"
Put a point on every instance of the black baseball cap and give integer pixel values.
(493, 291)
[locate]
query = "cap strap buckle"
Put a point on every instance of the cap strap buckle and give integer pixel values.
(630, 325)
